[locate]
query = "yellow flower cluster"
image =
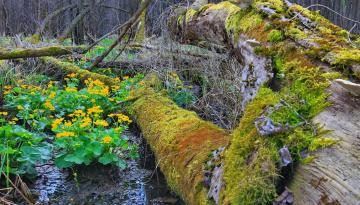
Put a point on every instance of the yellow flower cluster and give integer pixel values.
(7, 89)
(19, 107)
(56, 123)
(71, 75)
(121, 118)
(4, 113)
(13, 121)
(107, 139)
(95, 110)
(86, 122)
(101, 123)
(65, 134)
(51, 84)
(97, 87)
(52, 95)
(78, 113)
(49, 105)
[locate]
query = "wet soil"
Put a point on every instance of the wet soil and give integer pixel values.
(141, 183)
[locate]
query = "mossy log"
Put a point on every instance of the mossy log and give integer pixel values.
(306, 43)
(181, 142)
(59, 68)
(39, 52)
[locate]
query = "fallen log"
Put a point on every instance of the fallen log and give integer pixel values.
(39, 52)
(59, 69)
(181, 142)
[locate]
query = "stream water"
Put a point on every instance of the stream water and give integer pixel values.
(105, 185)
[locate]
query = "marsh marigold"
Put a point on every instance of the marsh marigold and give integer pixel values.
(107, 139)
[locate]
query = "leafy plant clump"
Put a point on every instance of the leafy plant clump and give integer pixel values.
(78, 123)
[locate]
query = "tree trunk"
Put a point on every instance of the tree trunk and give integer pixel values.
(48, 18)
(77, 20)
(254, 36)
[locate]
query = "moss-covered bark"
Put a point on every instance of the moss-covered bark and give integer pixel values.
(296, 40)
(181, 142)
(39, 52)
(59, 68)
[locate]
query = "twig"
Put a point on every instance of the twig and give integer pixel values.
(127, 26)
(17, 189)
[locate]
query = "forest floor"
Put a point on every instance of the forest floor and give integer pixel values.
(49, 123)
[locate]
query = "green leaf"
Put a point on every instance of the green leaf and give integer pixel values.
(108, 158)
(61, 163)
(96, 148)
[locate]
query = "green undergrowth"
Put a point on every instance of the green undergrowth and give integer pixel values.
(75, 121)
(275, 36)
(252, 161)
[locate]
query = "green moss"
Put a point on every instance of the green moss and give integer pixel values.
(278, 5)
(296, 33)
(63, 68)
(181, 142)
(275, 36)
(246, 180)
(307, 160)
(321, 142)
(224, 5)
(140, 34)
(250, 21)
(250, 161)
(346, 56)
(190, 13)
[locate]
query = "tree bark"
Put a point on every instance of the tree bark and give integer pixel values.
(77, 20)
(42, 26)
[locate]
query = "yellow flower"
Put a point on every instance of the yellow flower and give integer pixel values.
(115, 87)
(15, 119)
(52, 95)
(56, 123)
(126, 77)
(78, 113)
(4, 113)
(49, 106)
(19, 107)
(107, 139)
(72, 75)
(65, 134)
(101, 123)
(98, 83)
(95, 109)
(85, 122)
(121, 117)
(68, 123)
(7, 87)
(124, 118)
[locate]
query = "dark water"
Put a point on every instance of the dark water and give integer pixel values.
(139, 184)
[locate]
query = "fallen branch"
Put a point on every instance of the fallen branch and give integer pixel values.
(125, 29)
(39, 52)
